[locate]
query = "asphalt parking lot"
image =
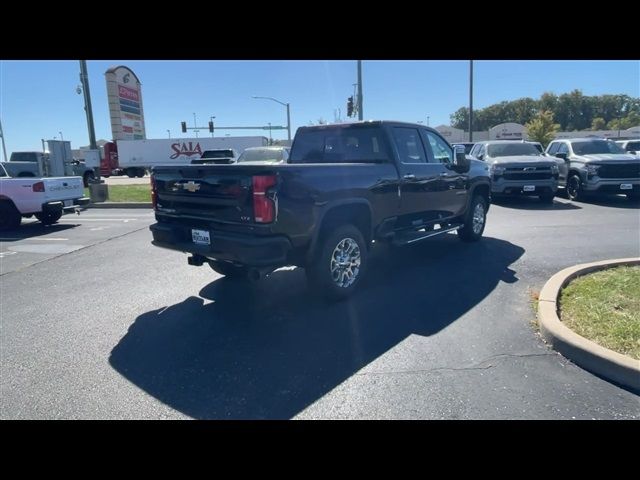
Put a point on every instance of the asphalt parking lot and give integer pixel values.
(97, 323)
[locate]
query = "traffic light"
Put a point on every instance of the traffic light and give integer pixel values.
(211, 127)
(349, 106)
(184, 127)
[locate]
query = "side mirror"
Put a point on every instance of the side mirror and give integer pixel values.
(460, 160)
(561, 155)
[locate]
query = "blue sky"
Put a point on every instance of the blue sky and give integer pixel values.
(38, 99)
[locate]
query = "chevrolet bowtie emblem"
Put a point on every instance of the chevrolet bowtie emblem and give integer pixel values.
(191, 186)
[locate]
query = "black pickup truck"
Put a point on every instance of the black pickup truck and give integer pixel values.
(345, 186)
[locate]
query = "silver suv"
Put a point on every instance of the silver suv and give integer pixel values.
(518, 168)
(595, 165)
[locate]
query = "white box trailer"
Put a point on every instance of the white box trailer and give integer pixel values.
(144, 154)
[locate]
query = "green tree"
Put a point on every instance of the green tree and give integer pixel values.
(598, 123)
(541, 128)
(460, 118)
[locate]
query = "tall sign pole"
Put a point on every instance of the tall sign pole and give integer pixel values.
(471, 100)
(360, 114)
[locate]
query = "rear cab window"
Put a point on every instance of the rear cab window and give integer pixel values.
(340, 145)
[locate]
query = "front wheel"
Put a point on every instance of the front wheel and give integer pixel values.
(48, 218)
(339, 264)
(474, 220)
(574, 188)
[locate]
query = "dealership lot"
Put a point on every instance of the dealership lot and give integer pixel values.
(97, 323)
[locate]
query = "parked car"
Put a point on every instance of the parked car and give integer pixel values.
(595, 165)
(467, 146)
(518, 168)
(631, 146)
(345, 186)
(45, 198)
(220, 156)
(275, 154)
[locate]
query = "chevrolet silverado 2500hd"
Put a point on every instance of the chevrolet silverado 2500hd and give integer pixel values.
(345, 186)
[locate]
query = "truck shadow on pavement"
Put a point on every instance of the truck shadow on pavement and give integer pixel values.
(32, 229)
(270, 350)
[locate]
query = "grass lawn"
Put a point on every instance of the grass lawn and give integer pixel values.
(605, 308)
(127, 193)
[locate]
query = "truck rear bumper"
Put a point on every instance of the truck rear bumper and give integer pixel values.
(246, 250)
(60, 206)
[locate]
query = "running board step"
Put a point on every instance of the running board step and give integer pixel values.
(407, 238)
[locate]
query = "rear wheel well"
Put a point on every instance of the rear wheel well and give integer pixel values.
(484, 191)
(356, 214)
(8, 201)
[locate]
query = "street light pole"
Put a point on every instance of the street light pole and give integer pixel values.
(169, 132)
(360, 108)
(195, 124)
(428, 120)
(471, 100)
(61, 137)
(288, 113)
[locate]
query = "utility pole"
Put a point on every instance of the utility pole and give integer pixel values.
(4, 147)
(84, 81)
(169, 132)
(471, 100)
(360, 114)
(194, 124)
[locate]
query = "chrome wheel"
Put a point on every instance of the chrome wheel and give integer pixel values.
(345, 262)
(478, 218)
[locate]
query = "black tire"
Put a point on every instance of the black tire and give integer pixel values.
(48, 218)
(547, 198)
(140, 173)
(326, 275)
(474, 226)
(574, 188)
(229, 270)
(88, 178)
(10, 217)
(131, 173)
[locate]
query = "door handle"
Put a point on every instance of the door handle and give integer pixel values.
(409, 176)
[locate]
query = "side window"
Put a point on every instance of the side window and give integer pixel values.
(474, 150)
(480, 151)
(553, 148)
(441, 150)
(563, 148)
(409, 145)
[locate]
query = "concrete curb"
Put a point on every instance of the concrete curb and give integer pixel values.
(589, 355)
(120, 205)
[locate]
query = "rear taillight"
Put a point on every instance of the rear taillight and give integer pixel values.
(154, 192)
(264, 208)
(38, 187)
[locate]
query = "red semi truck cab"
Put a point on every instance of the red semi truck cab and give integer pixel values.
(109, 162)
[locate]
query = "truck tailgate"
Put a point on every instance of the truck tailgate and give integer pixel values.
(221, 193)
(63, 188)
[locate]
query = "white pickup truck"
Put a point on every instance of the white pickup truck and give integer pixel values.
(46, 198)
